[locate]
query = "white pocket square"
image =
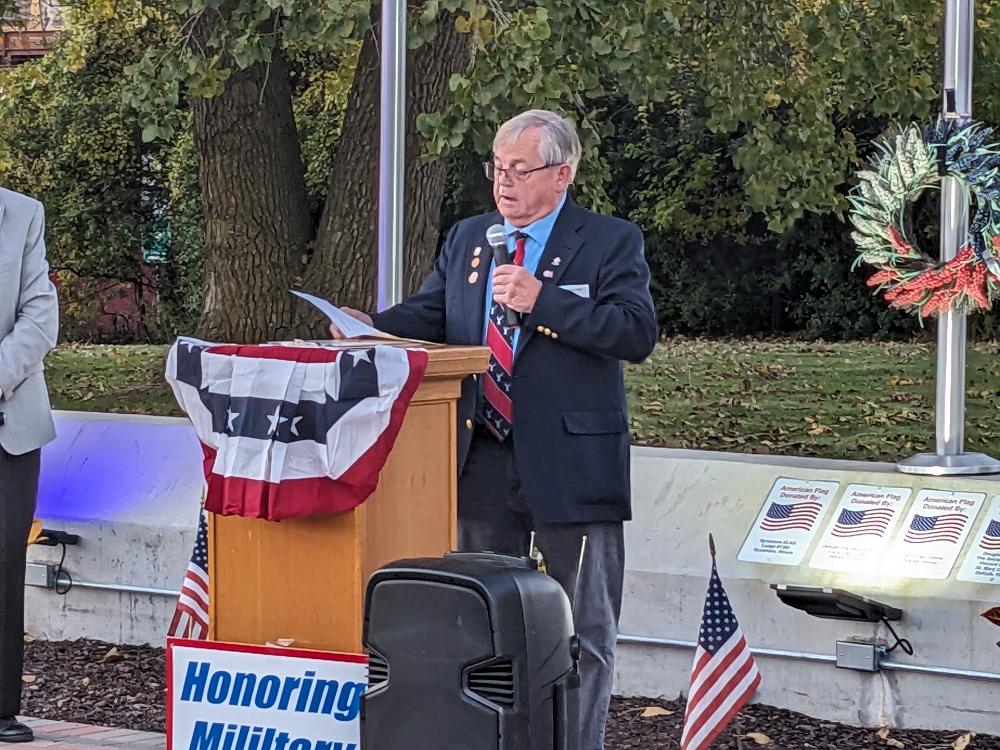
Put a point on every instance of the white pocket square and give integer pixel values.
(581, 290)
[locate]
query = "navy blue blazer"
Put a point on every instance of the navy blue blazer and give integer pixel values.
(570, 435)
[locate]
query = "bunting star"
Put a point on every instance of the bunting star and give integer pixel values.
(275, 420)
(231, 418)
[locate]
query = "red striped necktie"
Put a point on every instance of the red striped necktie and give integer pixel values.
(498, 385)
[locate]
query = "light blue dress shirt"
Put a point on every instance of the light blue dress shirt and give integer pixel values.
(538, 235)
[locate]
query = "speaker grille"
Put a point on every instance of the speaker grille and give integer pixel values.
(494, 682)
(378, 671)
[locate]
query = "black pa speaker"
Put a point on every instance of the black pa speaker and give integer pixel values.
(472, 651)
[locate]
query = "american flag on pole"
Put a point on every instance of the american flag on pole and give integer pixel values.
(293, 431)
(944, 528)
(191, 616)
(991, 539)
(787, 516)
(724, 677)
(870, 522)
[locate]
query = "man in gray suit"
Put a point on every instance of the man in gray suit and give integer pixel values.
(29, 322)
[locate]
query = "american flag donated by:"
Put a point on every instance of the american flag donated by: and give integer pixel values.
(724, 677)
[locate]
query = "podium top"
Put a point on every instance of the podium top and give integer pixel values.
(445, 361)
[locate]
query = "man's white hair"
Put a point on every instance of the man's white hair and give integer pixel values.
(558, 142)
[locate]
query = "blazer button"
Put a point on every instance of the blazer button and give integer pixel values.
(548, 331)
(468, 424)
(540, 329)
(555, 335)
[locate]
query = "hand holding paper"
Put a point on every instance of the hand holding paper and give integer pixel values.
(362, 318)
(345, 322)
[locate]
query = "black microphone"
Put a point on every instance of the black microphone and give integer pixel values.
(497, 239)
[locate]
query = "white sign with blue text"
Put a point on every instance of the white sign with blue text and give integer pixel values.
(227, 696)
(788, 521)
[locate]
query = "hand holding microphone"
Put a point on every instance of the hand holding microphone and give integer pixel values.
(497, 239)
(514, 287)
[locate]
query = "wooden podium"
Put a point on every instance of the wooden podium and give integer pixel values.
(305, 578)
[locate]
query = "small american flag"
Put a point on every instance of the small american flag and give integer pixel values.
(991, 539)
(871, 522)
(782, 517)
(927, 529)
(191, 616)
(724, 676)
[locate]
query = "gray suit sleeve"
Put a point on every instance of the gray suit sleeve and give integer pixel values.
(37, 324)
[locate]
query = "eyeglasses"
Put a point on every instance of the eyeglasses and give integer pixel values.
(520, 175)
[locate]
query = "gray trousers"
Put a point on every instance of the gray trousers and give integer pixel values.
(493, 516)
(18, 492)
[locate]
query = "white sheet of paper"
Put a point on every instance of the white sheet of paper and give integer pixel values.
(350, 327)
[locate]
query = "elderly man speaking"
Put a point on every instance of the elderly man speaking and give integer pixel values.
(29, 322)
(544, 438)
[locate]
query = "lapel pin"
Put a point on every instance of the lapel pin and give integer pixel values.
(477, 251)
(556, 261)
(475, 262)
(547, 273)
(473, 277)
